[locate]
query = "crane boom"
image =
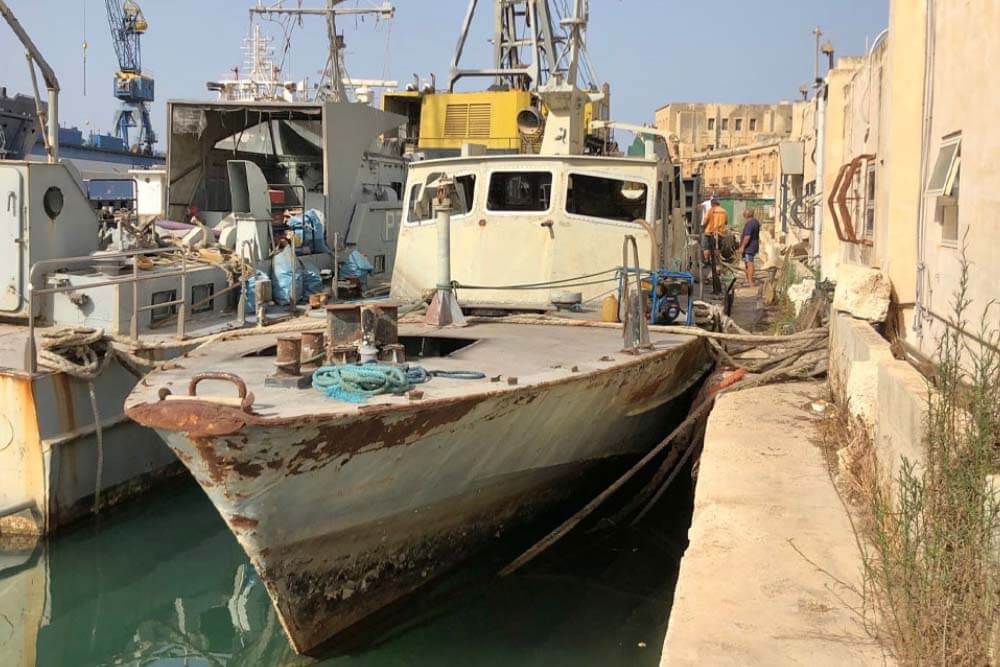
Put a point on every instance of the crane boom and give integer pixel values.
(134, 88)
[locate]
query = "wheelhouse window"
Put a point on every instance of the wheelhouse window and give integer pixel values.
(606, 198)
(421, 206)
(520, 191)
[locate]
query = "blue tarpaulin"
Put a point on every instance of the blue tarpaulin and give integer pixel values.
(306, 282)
(311, 233)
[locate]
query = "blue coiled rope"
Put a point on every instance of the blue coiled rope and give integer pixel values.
(356, 384)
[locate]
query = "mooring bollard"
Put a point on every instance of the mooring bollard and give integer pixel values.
(313, 347)
(288, 365)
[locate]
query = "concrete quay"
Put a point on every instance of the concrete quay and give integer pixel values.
(772, 571)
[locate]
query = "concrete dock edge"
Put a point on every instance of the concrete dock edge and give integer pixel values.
(772, 571)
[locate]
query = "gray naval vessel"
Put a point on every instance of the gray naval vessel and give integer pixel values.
(260, 203)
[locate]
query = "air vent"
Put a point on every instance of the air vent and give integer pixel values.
(480, 117)
(456, 120)
(468, 121)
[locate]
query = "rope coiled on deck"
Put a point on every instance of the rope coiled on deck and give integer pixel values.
(356, 384)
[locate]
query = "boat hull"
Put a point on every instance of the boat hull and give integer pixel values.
(342, 516)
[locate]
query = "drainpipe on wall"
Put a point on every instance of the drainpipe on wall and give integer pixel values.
(928, 118)
(817, 239)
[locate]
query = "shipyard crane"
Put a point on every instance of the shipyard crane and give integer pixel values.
(534, 42)
(134, 88)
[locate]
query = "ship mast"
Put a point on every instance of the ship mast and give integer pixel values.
(333, 73)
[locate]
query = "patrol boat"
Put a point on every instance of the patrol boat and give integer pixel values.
(352, 485)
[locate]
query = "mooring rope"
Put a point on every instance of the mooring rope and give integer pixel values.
(356, 384)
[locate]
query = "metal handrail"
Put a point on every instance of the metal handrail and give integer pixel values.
(134, 279)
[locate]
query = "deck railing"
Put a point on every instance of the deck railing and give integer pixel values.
(134, 279)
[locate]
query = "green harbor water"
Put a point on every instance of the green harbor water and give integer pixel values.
(163, 582)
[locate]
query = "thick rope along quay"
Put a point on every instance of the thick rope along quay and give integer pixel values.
(801, 356)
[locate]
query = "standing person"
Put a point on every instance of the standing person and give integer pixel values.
(750, 243)
(714, 225)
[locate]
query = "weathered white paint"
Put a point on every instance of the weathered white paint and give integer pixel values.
(501, 248)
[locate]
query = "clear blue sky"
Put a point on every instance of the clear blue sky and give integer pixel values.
(652, 51)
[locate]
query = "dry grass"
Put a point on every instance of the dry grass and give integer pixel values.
(929, 535)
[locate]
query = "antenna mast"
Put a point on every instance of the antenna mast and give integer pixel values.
(333, 73)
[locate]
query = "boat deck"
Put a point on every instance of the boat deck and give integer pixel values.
(533, 354)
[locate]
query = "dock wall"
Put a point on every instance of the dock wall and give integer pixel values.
(886, 394)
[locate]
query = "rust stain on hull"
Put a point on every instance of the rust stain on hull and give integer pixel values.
(333, 582)
(338, 440)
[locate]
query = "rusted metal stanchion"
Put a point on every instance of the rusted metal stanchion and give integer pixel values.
(444, 309)
(288, 370)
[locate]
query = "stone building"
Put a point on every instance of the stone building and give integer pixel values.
(706, 127)
(913, 140)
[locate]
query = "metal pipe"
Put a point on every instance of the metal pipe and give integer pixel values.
(134, 324)
(336, 266)
(182, 311)
(104, 283)
(51, 81)
(442, 213)
(817, 245)
(53, 118)
(654, 250)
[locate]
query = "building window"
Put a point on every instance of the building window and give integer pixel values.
(870, 201)
(202, 300)
(945, 167)
(520, 191)
(606, 198)
(753, 124)
(739, 124)
(944, 187)
(949, 209)
(157, 315)
(725, 124)
(711, 123)
(378, 264)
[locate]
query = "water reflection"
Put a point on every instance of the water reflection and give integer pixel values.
(164, 583)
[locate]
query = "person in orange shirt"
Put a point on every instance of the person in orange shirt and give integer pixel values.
(714, 225)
